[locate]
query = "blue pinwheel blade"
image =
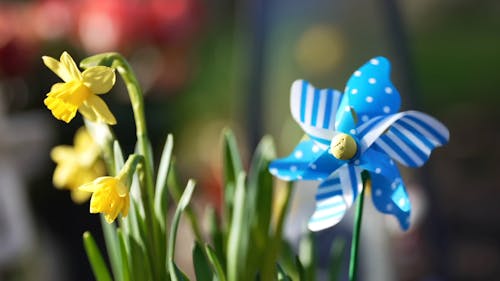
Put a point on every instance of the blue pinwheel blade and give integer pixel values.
(315, 110)
(334, 196)
(408, 137)
(308, 161)
(388, 191)
(370, 92)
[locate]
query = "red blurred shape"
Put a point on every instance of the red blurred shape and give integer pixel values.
(110, 25)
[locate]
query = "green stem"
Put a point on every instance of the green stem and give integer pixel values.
(118, 62)
(353, 262)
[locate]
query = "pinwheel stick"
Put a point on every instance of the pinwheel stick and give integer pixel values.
(353, 262)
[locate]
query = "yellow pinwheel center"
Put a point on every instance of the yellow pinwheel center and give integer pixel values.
(343, 147)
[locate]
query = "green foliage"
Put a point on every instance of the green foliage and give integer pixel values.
(246, 240)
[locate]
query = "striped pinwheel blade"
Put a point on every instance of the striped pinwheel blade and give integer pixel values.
(315, 110)
(409, 136)
(388, 191)
(334, 196)
(370, 92)
(308, 161)
(297, 165)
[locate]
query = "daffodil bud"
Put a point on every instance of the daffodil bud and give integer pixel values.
(343, 147)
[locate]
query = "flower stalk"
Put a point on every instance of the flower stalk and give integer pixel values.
(353, 262)
(118, 62)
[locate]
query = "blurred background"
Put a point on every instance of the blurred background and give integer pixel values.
(209, 64)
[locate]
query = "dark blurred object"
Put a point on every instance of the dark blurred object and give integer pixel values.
(466, 174)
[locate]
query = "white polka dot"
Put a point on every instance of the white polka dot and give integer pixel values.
(369, 99)
(354, 91)
(347, 108)
(299, 177)
(298, 154)
(352, 131)
(357, 73)
(315, 148)
(293, 168)
(378, 171)
(372, 81)
(402, 202)
(286, 178)
(394, 185)
(313, 166)
(378, 192)
(374, 61)
(387, 109)
(391, 162)
(320, 178)
(365, 118)
(389, 207)
(357, 162)
(273, 171)
(388, 90)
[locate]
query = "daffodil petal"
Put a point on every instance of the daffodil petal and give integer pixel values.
(61, 153)
(79, 196)
(89, 187)
(57, 67)
(100, 109)
(62, 175)
(57, 89)
(99, 79)
(70, 66)
(87, 112)
(109, 218)
(126, 207)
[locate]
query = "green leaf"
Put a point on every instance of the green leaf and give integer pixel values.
(181, 276)
(259, 202)
(175, 192)
(99, 268)
(125, 253)
(161, 182)
(232, 161)
(307, 254)
(277, 237)
(282, 276)
(232, 168)
(201, 265)
(139, 265)
(112, 247)
(288, 260)
(215, 263)
(300, 269)
(237, 245)
(138, 242)
(217, 236)
(337, 254)
(118, 157)
(183, 203)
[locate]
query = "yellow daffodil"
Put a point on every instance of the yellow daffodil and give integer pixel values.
(110, 197)
(111, 194)
(77, 165)
(79, 90)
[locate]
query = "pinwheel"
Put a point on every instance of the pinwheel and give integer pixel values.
(360, 130)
